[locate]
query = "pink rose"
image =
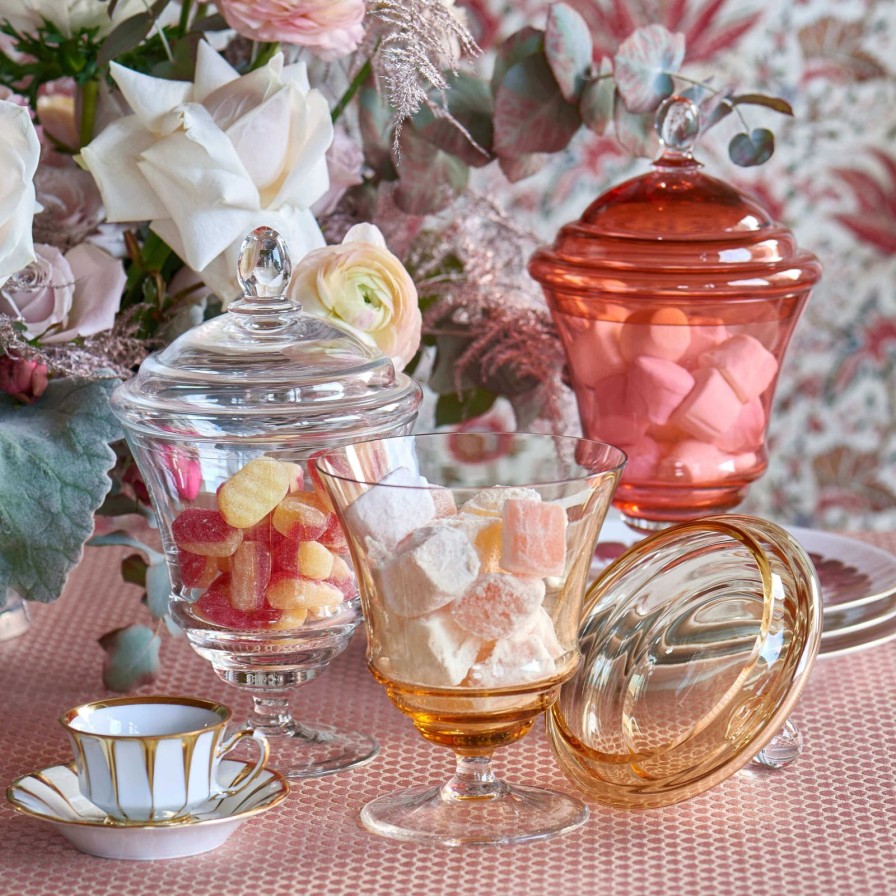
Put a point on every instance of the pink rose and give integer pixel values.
(329, 28)
(59, 297)
(72, 205)
(23, 380)
(344, 161)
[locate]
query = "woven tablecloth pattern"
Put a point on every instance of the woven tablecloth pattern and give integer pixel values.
(824, 827)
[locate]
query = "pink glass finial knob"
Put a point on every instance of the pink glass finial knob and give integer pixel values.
(678, 125)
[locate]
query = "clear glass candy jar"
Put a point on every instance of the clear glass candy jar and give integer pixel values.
(222, 424)
(675, 296)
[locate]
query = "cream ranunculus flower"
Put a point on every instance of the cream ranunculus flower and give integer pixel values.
(362, 285)
(209, 161)
(69, 16)
(19, 155)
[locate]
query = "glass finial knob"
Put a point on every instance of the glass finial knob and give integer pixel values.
(263, 267)
(678, 125)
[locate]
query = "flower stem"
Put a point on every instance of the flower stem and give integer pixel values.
(362, 75)
(89, 93)
(262, 54)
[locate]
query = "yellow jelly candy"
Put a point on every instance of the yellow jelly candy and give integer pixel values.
(253, 492)
(287, 592)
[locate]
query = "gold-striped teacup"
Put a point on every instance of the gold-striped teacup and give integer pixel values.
(148, 759)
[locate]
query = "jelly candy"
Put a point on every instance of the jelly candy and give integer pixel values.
(534, 538)
(253, 491)
(205, 532)
(497, 605)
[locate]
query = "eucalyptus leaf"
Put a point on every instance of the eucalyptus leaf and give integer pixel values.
(636, 132)
(643, 66)
(760, 99)
(451, 409)
(133, 570)
(54, 463)
(517, 168)
(158, 589)
(530, 112)
(568, 48)
(126, 36)
(748, 150)
(132, 657)
(526, 42)
(598, 96)
(428, 179)
(120, 537)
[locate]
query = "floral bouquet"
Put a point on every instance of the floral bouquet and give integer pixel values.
(141, 141)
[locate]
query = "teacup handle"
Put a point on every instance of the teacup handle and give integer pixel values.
(264, 750)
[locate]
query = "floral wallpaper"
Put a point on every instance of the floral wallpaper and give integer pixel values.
(832, 179)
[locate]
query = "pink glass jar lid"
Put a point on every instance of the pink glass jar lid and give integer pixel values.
(696, 644)
(676, 232)
(266, 369)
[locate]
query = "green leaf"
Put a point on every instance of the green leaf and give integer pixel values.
(133, 570)
(121, 537)
(451, 409)
(54, 461)
(598, 96)
(748, 150)
(530, 112)
(524, 43)
(636, 132)
(568, 48)
(517, 168)
(132, 657)
(375, 122)
(428, 179)
(158, 589)
(126, 36)
(643, 66)
(759, 99)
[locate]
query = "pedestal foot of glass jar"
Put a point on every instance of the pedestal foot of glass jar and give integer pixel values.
(307, 750)
(783, 749)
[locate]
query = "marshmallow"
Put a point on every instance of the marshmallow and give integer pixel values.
(643, 458)
(611, 418)
(533, 540)
(390, 514)
(746, 364)
(656, 387)
(703, 338)
(693, 461)
(495, 605)
(663, 333)
(434, 570)
(747, 432)
(710, 408)
(429, 650)
(593, 351)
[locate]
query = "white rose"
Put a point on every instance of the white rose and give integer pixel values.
(69, 16)
(59, 297)
(19, 154)
(208, 162)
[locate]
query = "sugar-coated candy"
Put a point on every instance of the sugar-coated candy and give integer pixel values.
(593, 352)
(342, 577)
(747, 433)
(435, 568)
(250, 573)
(390, 514)
(314, 560)
(253, 491)
(290, 592)
(490, 501)
(746, 364)
(710, 408)
(430, 650)
(184, 469)
(333, 536)
(497, 605)
(214, 606)
(656, 387)
(289, 619)
(443, 499)
(197, 571)
(300, 516)
(205, 532)
(695, 461)
(611, 417)
(296, 476)
(663, 333)
(527, 655)
(533, 540)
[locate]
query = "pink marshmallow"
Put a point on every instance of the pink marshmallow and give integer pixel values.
(496, 605)
(533, 538)
(593, 351)
(710, 408)
(643, 458)
(692, 461)
(657, 386)
(745, 363)
(747, 432)
(703, 338)
(610, 418)
(661, 334)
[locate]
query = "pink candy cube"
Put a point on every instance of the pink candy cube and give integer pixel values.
(496, 605)
(533, 539)
(710, 408)
(745, 363)
(656, 387)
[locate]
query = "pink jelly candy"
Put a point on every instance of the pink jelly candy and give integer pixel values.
(249, 576)
(215, 607)
(300, 517)
(333, 537)
(497, 605)
(205, 532)
(197, 571)
(533, 540)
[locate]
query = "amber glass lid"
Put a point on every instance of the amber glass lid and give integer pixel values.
(265, 368)
(676, 231)
(696, 644)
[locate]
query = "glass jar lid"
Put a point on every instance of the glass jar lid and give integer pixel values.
(676, 232)
(265, 369)
(696, 644)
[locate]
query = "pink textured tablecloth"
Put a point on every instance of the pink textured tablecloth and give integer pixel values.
(824, 826)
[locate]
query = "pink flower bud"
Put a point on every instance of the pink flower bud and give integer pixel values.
(23, 380)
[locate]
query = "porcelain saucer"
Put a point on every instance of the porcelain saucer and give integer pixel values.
(52, 795)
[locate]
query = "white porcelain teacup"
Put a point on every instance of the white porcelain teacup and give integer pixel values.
(154, 758)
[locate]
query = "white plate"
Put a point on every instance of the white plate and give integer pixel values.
(858, 583)
(52, 795)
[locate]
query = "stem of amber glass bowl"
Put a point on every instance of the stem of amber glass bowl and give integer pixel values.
(473, 780)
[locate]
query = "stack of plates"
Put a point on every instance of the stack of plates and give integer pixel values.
(858, 584)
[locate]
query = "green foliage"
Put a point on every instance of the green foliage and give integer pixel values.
(55, 456)
(132, 657)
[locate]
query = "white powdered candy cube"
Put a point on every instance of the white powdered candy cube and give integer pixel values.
(528, 655)
(497, 605)
(437, 566)
(429, 650)
(490, 501)
(390, 514)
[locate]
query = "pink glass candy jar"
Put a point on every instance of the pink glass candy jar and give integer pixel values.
(675, 296)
